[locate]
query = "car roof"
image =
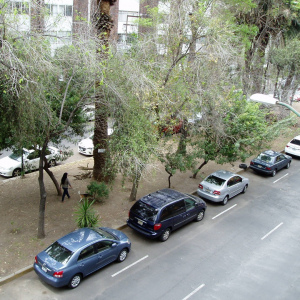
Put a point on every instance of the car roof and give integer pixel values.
(271, 153)
(79, 238)
(162, 197)
(223, 174)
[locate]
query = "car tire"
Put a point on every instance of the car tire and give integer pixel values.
(16, 172)
(288, 165)
(75, 281)
(273, 173)
(200, 216)
(52, 163)
(122, 255)
(245, 189)
(165, 235)
(225, 200)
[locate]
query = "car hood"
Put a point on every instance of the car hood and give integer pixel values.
(7, 162)
(86, 143)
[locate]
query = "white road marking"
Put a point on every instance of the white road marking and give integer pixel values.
(281, 178)
(271, 231)
(194, 292)
(224, 211)
(130, 266)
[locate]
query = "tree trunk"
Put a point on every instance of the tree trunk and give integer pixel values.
(200, 167)
(103, 24)
(43, 195)
(135, 186)
(56, 183)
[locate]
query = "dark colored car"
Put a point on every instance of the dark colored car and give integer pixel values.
(79, 254)
(270, 162)
(156, 215)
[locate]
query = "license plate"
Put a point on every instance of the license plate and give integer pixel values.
(140, 222)
(259, 166)
(44, 269)
(207, 190)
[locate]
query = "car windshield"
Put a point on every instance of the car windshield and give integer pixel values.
(265, 158)
(59, 253)
(215, 180)
(105, 234)
(16, 155)
(145, 211)
(295, 142)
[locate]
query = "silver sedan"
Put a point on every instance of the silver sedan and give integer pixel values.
(221, 185)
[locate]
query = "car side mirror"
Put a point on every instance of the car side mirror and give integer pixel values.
(114, 245)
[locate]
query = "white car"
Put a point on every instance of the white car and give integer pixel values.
(12, 165)
(293, 147)
(86, 146)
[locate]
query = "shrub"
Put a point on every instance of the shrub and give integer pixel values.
(98, 191)
(86, 215)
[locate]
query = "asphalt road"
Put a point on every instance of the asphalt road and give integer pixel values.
(248, 249)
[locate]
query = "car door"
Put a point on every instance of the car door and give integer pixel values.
(88, 261)
(234, 186)
(191, 209)
(32, 161)
(282, 161)
(107, 252)
(178, 213)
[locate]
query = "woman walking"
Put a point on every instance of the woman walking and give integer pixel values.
(65, 184)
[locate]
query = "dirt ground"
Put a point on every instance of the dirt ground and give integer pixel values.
(19, 205)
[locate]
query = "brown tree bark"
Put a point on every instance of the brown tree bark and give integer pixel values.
(103, 25)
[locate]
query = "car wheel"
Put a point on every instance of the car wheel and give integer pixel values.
(165, 235)
(122, 255)
(75, 281)
(274, 173)
(225, 200)
(52, 163)
(288, 165)
(200, 216)
(245, 189)
(16, 172)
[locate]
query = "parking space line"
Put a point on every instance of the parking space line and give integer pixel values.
(271, 231)
(194, 292)
(224, 211)
(281, 177)
(130, 266)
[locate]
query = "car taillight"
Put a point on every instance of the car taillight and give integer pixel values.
(287, 146)
(157, 226)
(217, 193)
(251, 163)
(201, 186)
(35, 260)
(268, 168)
(58, 274)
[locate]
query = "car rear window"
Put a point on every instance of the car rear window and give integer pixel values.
(105, 234)
(215, 180)
(266, 158)
(295, 142)
(145, 211)
(59, 253)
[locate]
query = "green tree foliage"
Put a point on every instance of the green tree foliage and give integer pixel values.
(86, 215)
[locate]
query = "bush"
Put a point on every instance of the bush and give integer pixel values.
(86, 215)
(98, 191)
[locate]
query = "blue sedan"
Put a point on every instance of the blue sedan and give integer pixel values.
(80, 253)
(270, 162)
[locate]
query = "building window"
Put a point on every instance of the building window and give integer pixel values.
(18, 7)
(62, 10)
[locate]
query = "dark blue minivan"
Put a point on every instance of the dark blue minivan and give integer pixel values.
(157, 214)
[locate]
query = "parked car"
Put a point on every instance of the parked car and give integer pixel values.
(12, 165)
(270, 162)
(293, 147)
(86, 146)
(80, 253)
(158, 214)
(221, 186)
